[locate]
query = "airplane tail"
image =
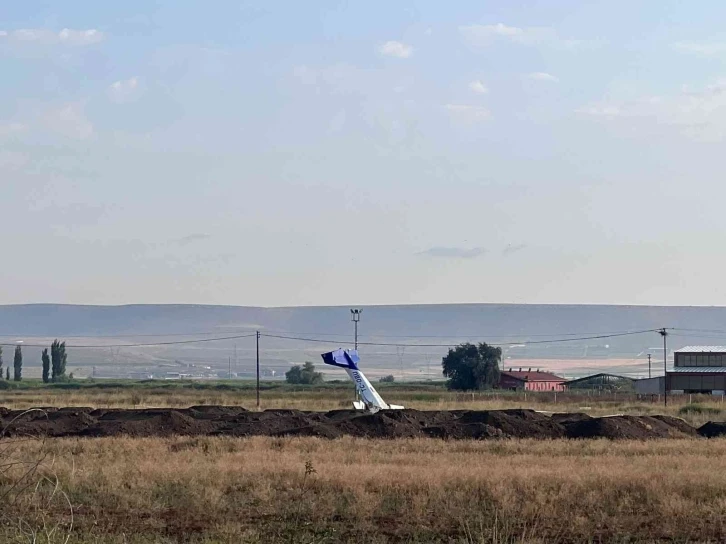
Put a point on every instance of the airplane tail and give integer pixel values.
(370, 399)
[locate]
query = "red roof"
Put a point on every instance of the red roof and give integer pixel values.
(536, 376)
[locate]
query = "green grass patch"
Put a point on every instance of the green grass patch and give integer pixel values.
(698, 409)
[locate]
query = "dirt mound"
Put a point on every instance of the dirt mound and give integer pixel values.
(712, 429)
(629, 427)
(570, 417)
(144, 423)
(235, 421)
(516, 423)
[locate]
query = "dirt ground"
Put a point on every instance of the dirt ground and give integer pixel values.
(236, 421)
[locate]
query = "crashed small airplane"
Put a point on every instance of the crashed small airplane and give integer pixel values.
(370, 399)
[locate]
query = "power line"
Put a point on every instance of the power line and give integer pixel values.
(447, 336)
(342, 335)
(698, 330)
(557, 340)
(104, 346)
(145, 335)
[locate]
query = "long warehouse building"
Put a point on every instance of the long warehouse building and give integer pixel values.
(698, 369)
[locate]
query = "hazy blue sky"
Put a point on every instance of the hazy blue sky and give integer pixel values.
(284, 153)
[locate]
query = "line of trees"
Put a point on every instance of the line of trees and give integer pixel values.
(54, 366)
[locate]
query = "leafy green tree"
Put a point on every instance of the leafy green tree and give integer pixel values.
(59, 360)
(387, 379)
(18, 364)
(294, 375)
(303, 375)
(46, 366)
(471, 367)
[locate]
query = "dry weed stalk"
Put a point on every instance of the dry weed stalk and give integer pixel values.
(31, 489)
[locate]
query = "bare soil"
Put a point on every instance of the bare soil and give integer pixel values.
(237, 421)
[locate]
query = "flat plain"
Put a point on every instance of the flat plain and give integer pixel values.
(307, 489)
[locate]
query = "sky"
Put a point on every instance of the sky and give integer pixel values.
(294, 153)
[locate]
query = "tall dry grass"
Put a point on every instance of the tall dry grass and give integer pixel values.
(353, 490)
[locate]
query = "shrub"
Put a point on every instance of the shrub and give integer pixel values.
(698, 409)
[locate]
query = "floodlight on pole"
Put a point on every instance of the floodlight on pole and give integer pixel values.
(355, 314)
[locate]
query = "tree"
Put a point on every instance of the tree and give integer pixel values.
(471, 367)
(58, 359)
(64, 360)
(303, 375)
(18, 364)
(46, 366)
(387, 379)
(7, 373)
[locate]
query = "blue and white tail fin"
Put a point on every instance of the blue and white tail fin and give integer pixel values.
(370, 399)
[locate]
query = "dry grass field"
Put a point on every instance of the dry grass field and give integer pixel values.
(309, 490)
(225, 490)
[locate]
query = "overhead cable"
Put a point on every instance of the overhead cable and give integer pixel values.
(103, 346)
(551, 341)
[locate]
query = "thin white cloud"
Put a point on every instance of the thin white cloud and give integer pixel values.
(513, 248)
(305, 75)
(13, 160)
(698, 113)
(447, 252)
(478, 87)
(483, 35)
(542, 76)
(69, 121)
(337, 123)
(191, 238)
(44, 36)
(703, 49)
(11, 128)
(600, 110)
(396, 49)
(468, 112)
(80, 37)
(124, 90)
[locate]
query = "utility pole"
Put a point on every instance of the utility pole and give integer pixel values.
(355, 318)
(229, 372)
(258, 369)
(664, 333)
(649, 365)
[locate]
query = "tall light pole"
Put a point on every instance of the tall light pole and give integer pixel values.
(355, 318)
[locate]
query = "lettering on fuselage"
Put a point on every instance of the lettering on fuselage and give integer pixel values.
(358, 379)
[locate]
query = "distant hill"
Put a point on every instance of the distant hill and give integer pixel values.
(421, 327)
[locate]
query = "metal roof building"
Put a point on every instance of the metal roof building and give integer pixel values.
(530, 380)
(601, 381)
(698, 369)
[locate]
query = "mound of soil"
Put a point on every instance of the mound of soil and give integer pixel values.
(712, 429)
(630, 427)
(235, 421)
(568, 417)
